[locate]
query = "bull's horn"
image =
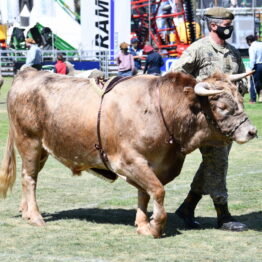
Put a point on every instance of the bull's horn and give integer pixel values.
(202, 89)
(237, 77)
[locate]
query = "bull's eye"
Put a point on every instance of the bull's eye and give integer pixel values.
(219, 107)
(222, 107)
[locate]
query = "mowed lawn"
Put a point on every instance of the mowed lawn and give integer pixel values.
(88, 219)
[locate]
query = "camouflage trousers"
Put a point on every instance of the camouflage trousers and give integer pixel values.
(210, 178)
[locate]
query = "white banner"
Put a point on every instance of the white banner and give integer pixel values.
(9, 11)
(105, 24)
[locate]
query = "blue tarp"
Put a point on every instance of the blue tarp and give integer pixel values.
(80, 65)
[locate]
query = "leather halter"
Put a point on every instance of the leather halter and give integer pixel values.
(206, 110)
(211, 119)
(116, 80)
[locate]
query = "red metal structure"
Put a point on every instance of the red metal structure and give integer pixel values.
(155, 22)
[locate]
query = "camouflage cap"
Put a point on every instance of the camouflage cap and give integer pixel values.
(219, 13)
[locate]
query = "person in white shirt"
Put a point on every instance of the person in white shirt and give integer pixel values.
(34, 55)
(255, 56)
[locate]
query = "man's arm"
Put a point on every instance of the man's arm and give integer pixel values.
(252, 57)
(186, 63)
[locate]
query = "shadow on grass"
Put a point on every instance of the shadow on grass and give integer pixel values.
(108, 216)
(252, 220)
(127, 217)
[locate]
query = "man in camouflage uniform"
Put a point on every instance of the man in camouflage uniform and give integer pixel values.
(203, 58)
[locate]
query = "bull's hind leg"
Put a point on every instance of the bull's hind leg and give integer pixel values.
(24, 206)
(33, 158)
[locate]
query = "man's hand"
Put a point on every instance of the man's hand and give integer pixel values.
(242, 86)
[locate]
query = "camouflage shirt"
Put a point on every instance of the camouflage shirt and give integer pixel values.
(204, 57)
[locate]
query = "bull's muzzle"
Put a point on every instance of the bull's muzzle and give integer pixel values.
(253, 132)
(245, 132)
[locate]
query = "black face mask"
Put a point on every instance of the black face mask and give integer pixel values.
(224, 32)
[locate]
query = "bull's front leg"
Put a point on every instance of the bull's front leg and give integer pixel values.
(158, 222)
(138, 171)
(142, 223)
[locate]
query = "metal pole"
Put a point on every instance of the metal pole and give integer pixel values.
(149, 22)
(53, 45)
(0, 62)
(254, 16)
(106, 64)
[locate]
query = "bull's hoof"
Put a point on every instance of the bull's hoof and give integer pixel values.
(156, 229)
(37, 222)
(144, 230)
(149, 230)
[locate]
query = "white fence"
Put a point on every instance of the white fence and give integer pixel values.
(10, 58)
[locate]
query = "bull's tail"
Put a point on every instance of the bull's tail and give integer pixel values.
(8, 167)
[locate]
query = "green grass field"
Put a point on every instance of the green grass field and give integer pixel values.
(91, 220)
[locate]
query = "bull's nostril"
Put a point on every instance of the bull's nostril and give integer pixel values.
(253, 132)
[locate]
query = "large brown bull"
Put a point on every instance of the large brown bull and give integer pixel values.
(148, 124)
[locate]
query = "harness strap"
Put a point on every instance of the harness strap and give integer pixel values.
(171, 136)
(99, 147)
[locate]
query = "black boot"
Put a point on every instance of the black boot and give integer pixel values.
(225, 221)
(186, 210)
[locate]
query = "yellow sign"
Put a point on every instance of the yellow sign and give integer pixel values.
(183, 33)
(3, 32)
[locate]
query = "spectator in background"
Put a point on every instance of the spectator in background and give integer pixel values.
(154, 61)
(255, 56)
(136, 53)
(60, 66)
(125, 61)
(34, 55)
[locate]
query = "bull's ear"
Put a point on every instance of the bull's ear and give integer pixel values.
(190, 96)
(204, 89)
